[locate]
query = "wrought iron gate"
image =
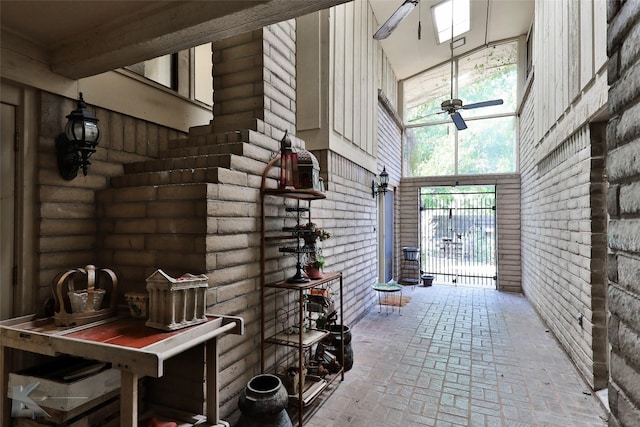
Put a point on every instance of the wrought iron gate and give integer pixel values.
(458, 234)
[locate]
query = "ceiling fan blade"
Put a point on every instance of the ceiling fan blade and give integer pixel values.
(458, 121)
(394, 20)
(483, 104)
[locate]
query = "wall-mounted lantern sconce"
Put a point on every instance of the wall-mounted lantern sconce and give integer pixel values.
(384, 182)
(78, 142)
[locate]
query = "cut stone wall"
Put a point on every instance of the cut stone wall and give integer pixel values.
(67, 226)
(623, 170)
(254, 77)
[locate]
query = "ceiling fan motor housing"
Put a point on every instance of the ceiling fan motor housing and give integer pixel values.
(451, 103)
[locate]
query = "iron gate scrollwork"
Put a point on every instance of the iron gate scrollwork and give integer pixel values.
(458, 234)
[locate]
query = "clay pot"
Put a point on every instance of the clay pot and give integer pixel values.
(347, 363)
(263, 403)
(312, 272)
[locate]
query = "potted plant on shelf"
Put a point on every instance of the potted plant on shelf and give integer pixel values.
(313, 267)
(312, 233)
(315, 261)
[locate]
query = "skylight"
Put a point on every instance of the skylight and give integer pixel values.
(442, 19)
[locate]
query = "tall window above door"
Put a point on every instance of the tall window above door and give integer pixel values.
(433, 145)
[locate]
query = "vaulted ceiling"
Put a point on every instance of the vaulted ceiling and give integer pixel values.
(491, 20)
(83, 38)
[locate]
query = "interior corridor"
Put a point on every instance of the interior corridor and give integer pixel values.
(458, 356)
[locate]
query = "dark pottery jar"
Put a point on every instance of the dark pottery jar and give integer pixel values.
(336, 338)
(263, 403)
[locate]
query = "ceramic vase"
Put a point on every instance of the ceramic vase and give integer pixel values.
(263, 403)
(347, 363)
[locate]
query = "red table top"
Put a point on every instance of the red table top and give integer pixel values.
(126, 332)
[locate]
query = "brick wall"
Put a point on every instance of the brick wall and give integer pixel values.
(389, 144)
(563, 182)
(507, 212)
(389, 139)
(349, 212)
(563, 235)
(623, 170)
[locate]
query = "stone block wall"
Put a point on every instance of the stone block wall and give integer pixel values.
(623, 170)
(254, 77)
(67, 220)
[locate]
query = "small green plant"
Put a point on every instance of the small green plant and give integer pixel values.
(318, 262)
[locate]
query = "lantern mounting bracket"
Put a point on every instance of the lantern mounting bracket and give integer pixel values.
(78, 142)
(380, 188)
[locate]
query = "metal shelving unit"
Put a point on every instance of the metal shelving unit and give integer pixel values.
(288, 329)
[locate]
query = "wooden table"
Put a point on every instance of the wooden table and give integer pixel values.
(130, 346)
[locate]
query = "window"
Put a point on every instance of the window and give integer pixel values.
(442, 19)
(188, 72)
(162, 70)
(433, 145)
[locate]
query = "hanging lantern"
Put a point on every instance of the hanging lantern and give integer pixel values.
(309, 169)
(288, 164)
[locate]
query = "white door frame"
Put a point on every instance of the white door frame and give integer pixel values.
(26, 101)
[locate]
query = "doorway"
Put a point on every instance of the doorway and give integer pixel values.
(458, 235)
(18, 159)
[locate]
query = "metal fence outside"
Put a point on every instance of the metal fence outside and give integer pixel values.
(458, 235)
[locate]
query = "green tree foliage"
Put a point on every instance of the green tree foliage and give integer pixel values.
(488, 144)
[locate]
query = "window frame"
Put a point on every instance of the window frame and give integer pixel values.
(514, 113)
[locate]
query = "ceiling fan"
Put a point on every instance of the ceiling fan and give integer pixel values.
(394, 20)
(453, 105)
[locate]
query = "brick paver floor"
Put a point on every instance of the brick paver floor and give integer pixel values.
(458, 356)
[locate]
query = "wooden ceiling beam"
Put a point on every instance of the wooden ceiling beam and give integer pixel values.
(180, 25)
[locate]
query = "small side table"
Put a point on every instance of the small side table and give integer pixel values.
(387, 288)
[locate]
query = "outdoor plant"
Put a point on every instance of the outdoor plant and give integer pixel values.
(318, 262)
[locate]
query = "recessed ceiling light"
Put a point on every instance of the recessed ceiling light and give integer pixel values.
(441, 14)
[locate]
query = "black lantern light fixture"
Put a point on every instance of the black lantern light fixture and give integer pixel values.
(380, 188)
(78, 142)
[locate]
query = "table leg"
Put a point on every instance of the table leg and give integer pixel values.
(386, 296)
(5, 405)
(128, 399)
(211, 366)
